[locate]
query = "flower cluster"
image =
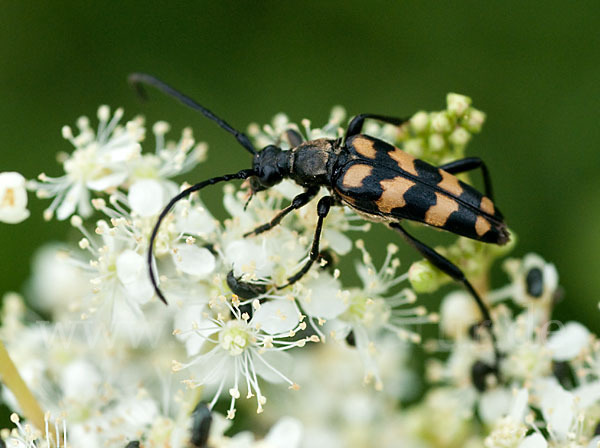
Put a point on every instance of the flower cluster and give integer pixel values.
(106, 318)
(122, 370)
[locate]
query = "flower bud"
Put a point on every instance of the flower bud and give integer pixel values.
(424, 277)
(457, 104)
(474, 120)
(458, 313)
(419, 122)
(460, 137)
(440, 122)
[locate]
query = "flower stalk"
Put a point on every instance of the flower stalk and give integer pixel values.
(12, 379)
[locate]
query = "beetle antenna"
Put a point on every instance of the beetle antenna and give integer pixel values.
(137, 79)
(244, 174)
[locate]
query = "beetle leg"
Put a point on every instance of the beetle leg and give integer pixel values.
(298, 202)
(468, 164)
(449, 268)
(294, 138)
(323, 208)
(356, 125)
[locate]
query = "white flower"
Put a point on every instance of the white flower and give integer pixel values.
(99, 163)
(275, 133)
(565, 411)
(24, 436)
(13, 198)
(511, 429)
(170, 158)
(240, 352)
(534, 283)
(249, 256)
(523, 341)
(117, 271)
(150, 189)
(371, 310)
(57, 283)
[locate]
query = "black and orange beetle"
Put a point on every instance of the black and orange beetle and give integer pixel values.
(379, 181)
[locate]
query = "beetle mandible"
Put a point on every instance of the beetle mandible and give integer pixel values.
(380, 182)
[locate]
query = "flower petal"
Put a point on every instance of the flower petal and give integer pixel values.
(276, 316)
(194, 260)
(569, 341)
(249, 257)
(519, 405)
(130, 266)
(146, 197)
(494, 404)
(557, 407)
(269, 363)
(67, 207)
(287, 433)
(198, 221)
(338, 241)
(131, 271)
(80, 380)
(105, 182)
(323, 297)
(535, 440)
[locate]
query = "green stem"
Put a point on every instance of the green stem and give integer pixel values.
(11, 378)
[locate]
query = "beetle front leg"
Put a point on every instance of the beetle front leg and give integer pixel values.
(298, 202)
(449, 268)
(323, 208)
(468, 164)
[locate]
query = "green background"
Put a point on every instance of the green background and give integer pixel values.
(533, 67)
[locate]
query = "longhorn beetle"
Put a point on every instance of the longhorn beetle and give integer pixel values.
(377, 180)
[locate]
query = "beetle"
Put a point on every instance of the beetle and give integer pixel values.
(201, 423)
(377, 180)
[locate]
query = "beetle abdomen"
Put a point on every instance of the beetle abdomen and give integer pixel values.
(393, 194)
(381, 154)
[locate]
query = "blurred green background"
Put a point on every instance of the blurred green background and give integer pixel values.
(533, 67)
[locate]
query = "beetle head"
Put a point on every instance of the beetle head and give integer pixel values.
(271, 166)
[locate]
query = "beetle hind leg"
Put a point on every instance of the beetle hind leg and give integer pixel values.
(449, 268)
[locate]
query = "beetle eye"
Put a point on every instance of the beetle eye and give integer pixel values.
(256, 185)
(270, 176)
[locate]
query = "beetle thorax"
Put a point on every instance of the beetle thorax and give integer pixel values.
(311, 162)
